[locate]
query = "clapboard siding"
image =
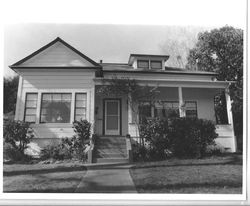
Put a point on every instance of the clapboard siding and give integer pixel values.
(57, 55)
(60, 79)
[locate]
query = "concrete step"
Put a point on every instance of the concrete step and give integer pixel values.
(114, 150)
(111, 160)
(110, 155)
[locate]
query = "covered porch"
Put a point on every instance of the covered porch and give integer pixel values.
(115, 116)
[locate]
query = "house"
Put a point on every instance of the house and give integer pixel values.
(58, 85)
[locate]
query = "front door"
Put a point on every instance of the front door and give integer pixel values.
(112, 117)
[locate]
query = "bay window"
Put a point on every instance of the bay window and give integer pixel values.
(55, 108)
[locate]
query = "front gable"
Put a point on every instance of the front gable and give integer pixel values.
(56, 54)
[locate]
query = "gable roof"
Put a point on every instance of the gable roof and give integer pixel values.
(20, 63)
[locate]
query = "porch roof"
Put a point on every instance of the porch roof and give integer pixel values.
(174, 83)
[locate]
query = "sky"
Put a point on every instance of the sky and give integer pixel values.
(112, 30)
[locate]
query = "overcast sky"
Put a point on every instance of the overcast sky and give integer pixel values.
(112, 37)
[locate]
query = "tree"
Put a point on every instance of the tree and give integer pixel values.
(221, 50)
(10, 93)
(136, 94)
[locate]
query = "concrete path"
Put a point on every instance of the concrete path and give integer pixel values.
(107, 178)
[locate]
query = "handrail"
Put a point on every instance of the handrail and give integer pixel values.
(129, 148)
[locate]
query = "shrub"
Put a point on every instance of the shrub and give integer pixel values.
(18, 134)
(191, 136)
(73, 147)
(56, 152)
(155, 134)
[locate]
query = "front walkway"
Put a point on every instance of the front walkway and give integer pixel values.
(107, 178)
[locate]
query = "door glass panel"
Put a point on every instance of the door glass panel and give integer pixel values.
(112, 122)
(112, 108)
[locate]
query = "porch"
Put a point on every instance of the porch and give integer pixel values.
(115, 116)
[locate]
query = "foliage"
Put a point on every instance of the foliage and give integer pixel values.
(221, 50)
(57, 152)
(10, 93)
(13, 154)
(191, 136)
(136, 94)
(155, 134)
(18, 134)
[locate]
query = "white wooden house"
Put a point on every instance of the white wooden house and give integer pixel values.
(58, 85)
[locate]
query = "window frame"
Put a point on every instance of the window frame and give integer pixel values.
(196, 111)
(40, 115)
(143, 60)
(154, 61)
(25, 106)
(80, 107)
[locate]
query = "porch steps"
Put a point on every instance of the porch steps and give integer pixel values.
(110, 149)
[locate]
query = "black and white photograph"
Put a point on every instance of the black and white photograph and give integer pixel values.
(145, 109)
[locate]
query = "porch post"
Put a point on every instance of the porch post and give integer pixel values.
(181, 111)
(230, 118)
(229, 107)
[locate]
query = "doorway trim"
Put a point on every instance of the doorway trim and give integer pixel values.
(104, 115)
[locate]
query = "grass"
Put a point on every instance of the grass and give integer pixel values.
(213, 175)
(42, 178)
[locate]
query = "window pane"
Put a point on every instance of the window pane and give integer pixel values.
(56, 108)
(80, 103)
(81, 96)
(31, 118)
(30, 111)
(47, 97)
(156, 64)
(112, 122)
(31, 103)
(143, 64)
(31, 96)
(57, 97)
(80, 111)
(79, 117)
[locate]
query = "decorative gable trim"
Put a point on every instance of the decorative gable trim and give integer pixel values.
(58, 39)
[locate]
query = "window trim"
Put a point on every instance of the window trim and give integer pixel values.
(143, 60)
(154, 61)
(80, 107)
(196, 106)
(40, 115)
(25, 106)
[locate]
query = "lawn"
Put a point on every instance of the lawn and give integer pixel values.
(54, 178)
(215, 175)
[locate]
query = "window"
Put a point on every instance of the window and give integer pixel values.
(166, 109)
(191, 109)
(143, 64)
(80, 106)
(156, 64)
(55, 108)
(144, 111)
(30, 107)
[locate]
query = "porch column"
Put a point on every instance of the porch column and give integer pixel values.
(181, 111)
(129, 110)
(92, 109)
(229, 107)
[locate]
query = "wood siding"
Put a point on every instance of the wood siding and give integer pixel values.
(57, 55)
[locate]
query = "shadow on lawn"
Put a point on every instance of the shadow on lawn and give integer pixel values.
(43, 171)
(181, 186)
(234, 160)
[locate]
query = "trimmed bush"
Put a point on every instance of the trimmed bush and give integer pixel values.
(191, 136)
(155, 134)
(18, 134)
